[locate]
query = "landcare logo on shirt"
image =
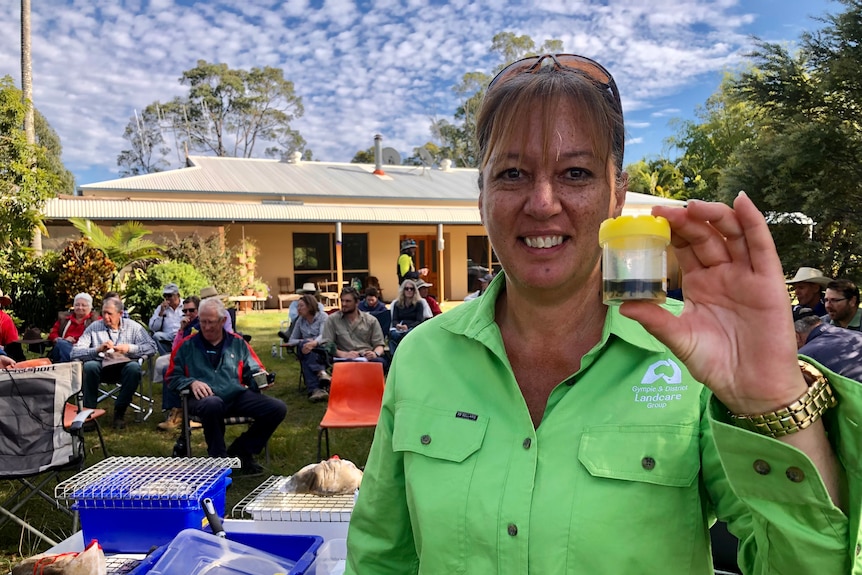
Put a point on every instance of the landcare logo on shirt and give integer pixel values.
(661, 383)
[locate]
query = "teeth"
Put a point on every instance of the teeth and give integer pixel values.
(543, 241)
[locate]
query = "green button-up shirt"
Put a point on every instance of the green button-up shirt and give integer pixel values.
(631, 463)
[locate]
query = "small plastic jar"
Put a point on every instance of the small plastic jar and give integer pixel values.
(634, 259)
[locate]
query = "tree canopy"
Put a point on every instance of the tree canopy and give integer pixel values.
(227, 112)
(29, 175)
(787, 129)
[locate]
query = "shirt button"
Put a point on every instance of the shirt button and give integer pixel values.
(762, 467)
(513, 529)
(425, 439)
(795, 474)
(527, 443)
(648, 463)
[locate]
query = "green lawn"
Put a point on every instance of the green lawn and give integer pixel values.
(292, 446)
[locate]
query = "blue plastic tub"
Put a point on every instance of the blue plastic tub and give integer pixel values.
(193, 552)
(124, 522)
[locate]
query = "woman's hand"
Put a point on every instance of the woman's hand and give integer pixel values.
(735, 333)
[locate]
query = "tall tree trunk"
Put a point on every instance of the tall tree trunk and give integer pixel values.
(27, 89)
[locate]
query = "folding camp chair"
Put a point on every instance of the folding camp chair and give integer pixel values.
(35, 444)
(355, 396)
(142, 402)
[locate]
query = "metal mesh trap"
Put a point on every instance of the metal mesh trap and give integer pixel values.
(268, 503)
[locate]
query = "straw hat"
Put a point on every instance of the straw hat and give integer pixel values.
(5, 300)
(810, 275)
(211, 291)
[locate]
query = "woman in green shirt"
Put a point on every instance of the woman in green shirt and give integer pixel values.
(535, 430)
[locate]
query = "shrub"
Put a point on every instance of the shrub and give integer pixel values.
(31, 283)
(209, 256)
(144, 288)
(81, 268)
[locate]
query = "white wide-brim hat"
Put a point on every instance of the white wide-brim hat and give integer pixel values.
(811, 275)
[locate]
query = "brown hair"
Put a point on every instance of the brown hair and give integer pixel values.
(311, 303)
(506, 103)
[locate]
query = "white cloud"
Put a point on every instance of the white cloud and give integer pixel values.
(361, 68)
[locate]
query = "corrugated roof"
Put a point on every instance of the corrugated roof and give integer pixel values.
(146, 210)
(258, 177)
(257, 190)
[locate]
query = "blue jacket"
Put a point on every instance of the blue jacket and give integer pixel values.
(837, 348)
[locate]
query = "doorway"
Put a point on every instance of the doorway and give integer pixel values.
(426, 254)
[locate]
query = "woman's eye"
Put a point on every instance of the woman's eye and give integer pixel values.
(512, 173)
(578, 173)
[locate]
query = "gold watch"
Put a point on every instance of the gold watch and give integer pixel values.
(798, 415)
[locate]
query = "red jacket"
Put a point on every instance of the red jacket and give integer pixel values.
(8, 331)
(73, 327)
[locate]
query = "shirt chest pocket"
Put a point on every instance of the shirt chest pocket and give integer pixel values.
(665, 455)
(446, 435)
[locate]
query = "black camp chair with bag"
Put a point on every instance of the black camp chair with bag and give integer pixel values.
(35, 445)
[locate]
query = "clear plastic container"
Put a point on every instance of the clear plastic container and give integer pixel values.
(634, 259)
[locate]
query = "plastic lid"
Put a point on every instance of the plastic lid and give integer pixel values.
(627, 226)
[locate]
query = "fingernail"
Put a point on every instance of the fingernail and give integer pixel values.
(742, 194)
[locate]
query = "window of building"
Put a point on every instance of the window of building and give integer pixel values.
(314, 257)
(480, 259)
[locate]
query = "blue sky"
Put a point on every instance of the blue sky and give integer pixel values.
(366, 67)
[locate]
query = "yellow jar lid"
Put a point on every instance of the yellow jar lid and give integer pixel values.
(628, 226)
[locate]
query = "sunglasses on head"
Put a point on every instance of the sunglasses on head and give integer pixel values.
(579, 64)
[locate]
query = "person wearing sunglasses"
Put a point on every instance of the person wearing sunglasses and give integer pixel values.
(536, 430)
(408, 311)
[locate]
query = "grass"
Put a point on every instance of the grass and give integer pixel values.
(293, 445)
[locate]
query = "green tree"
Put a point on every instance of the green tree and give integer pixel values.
(148, 150)
(144, 291)
(807, 153)
(659, 177)
(227, 112)
(26, 181)
(210, 256)
(125, 246)
(363, 156)
(726, 121)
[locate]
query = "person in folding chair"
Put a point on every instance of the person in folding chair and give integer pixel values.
(109, 349)
(218, 369)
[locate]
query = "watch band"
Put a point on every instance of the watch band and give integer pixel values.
(798, 415)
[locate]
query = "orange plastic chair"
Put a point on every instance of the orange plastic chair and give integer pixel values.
(355, 395)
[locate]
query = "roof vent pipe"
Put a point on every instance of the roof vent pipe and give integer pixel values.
(378, 155)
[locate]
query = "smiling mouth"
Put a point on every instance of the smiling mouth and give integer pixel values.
(543, 242)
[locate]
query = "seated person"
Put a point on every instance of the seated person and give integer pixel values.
(305, 336)
(408, 311)
(354, 334)
(372, 304)
(429, 299)
(115, 341)
(5, 361)
(166, 319)
(171, 402)
(308, 288)
(69, 327)
(484, 281)
(9, 332)
(217, 368)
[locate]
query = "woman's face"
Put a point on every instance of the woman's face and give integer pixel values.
(543, 215)
(301, 308)
(81, 308)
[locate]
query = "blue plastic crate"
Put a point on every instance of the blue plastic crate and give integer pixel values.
(193, 552)
(133, 509)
